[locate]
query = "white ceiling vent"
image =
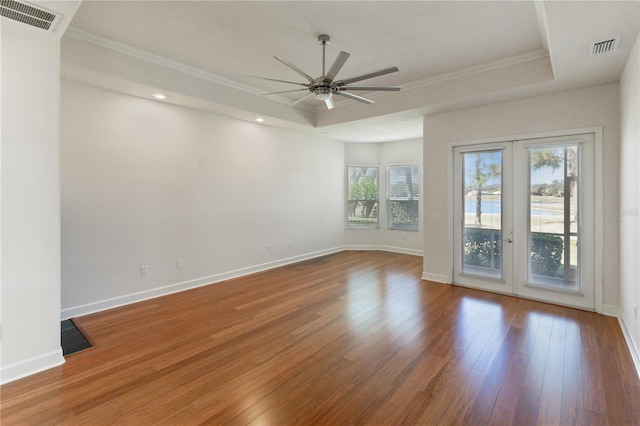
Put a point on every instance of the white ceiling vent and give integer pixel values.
(604, 46)
(30, 14)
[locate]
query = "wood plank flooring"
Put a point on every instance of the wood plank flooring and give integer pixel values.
(351, 338)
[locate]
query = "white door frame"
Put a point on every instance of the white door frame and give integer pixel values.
(505, 283)
(598, 196)
(584, 297)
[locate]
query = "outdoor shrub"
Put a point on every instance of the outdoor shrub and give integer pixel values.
(546, 254)
(481, 246)
(404, 212)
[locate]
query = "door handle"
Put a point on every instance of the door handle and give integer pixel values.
(509, 239)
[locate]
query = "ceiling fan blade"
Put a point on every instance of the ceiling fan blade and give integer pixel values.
(284, 91)
(366, 76)
(355, 97)
(301, 99)
(329, 103)
(279, 81)
(337, 66)
(376, 88)
(296, 69)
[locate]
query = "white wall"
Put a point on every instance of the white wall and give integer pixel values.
(148, 183)
(594, 106)
(383, 155)
(30, 223)
(630, 199)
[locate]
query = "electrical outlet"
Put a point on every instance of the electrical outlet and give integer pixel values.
(179, 263)
(635, 311)
(144, 270)
(268, 247)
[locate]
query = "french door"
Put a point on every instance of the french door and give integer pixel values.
(524, 217)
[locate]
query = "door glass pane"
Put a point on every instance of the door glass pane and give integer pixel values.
(553, 217)
(482, 213)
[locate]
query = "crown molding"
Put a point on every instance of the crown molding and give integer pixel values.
(205, 75)
(171, 64)
(453, 75)
(477, 69)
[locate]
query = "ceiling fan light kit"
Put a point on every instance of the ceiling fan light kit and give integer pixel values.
(325, 86)
(322, 93)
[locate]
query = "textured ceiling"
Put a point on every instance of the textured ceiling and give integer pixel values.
(451, 54)
(236, 39)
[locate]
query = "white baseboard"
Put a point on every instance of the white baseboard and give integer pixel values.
(614, 311)
(391, 249)
(90, 308)
(30, 366)
(633, 346)
(610, 310)
(439, 278)
(115, 302)
(363, 247)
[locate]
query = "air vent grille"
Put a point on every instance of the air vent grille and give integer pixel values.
(604, 46)
(29, 15)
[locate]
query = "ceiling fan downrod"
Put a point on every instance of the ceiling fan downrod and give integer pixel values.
(323, 39)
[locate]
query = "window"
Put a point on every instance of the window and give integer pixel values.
(403, 189)
(362, 197)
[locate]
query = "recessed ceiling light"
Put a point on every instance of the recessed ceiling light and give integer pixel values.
(159, 96)
(260, 119)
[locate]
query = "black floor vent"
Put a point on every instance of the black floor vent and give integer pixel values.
(72, 339)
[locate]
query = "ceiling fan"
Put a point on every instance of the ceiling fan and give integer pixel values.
(325, 86)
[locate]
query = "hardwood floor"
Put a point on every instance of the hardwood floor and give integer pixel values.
(351, 338)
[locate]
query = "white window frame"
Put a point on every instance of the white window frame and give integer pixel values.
(389, 201)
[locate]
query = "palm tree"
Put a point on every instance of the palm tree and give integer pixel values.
(482, 173)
